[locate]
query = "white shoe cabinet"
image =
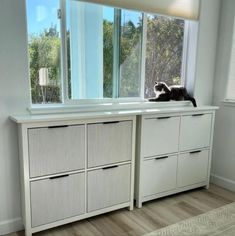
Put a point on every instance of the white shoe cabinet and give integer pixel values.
(74, 169)
(173, 153)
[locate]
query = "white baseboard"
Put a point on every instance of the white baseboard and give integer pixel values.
(10, 226)
(223, 182)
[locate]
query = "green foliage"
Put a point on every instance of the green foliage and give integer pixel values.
(69, 65)
(130, 60)
(44, 51)
(163, 55)
(164, 52)
(108, 58)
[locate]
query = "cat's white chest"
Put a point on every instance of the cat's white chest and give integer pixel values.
(158, 93)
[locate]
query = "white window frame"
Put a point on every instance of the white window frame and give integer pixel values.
(185, 53)
(64, 68)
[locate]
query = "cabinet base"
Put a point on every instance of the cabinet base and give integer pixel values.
(140, 201)
(30, 231)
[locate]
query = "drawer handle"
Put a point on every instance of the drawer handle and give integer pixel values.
(159, 158)
(58, 126)
(110, 122)
(194, 152)
(110, 167)
(198, 115)
(58, 177)
(164, 118)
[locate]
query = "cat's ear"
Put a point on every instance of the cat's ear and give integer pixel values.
(156, 82)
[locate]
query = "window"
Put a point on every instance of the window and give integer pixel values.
(130, 54)
(104, 53)
(164, 52)
(44, 43)
(80, 51)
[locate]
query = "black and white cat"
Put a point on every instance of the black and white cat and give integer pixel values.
(166, 93)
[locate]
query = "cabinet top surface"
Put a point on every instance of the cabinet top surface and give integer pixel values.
(21, 119)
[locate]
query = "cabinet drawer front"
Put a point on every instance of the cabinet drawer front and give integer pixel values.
(160, 136)
(108, 187)
(57, 199)
(159, 175)
(56, 149)
(192, 168)
(195, 131)
(109, 143)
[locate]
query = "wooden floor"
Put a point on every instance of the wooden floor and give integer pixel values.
(154, 215)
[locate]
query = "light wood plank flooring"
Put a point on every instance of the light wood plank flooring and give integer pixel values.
(154, 215)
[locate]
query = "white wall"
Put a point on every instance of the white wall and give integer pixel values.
(223, 49)
(14, 98)
(223, 161)
(14, 92)
(206, 53)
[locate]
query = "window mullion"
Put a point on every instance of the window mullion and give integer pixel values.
(143, 54)
(116, 52)
(185, 53)
(64, 68)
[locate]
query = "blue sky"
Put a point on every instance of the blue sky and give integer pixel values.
(42, 14)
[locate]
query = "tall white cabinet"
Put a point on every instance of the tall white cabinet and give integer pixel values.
(173, 153)
(74, 168)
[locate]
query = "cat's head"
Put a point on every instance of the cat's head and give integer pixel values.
(159, 88)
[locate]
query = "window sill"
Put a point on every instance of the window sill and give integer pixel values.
(228, 103)
(111, 106)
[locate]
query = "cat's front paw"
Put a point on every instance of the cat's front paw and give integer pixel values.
(152, 99)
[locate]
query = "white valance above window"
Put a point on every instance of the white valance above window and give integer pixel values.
(187, 9)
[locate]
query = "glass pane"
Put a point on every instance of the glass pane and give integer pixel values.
(44, 50)
(130, 53)
(164, 52)
(90, 54)
(104, 51)
(108, 32)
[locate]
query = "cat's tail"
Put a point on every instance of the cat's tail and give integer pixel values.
(189, 98)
